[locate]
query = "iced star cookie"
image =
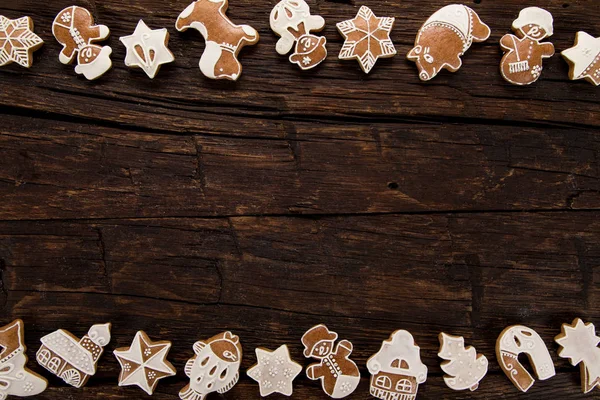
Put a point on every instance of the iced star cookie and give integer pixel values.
(463, 366)
(584, 58)
(224, 39)
(275, 371)
(144, 363)
(74, 28)
(17, 41)
(147, 49)
(367, 38)
(444, 38)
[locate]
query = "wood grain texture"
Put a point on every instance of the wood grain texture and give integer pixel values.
(185, 207)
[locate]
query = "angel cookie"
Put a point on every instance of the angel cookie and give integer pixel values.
(524, 53)
(17, 41)
(444, 38)
(339, 375)
(275, 371)
(224, 39)
(147, 49)
(74, 28)
(15, 378)
(584, 58)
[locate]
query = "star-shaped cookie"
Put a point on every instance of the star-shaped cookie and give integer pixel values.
(147, 49)
(17, 41)
(144, 363)
(584, 58)
(275, 371)
(367, 38)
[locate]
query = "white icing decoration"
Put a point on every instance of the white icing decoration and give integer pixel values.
(465, 368)
(17, 41)
(584, 58)
(153, 46)
(287, 16)
(275, 371)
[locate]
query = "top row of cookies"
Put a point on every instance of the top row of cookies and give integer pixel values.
(440, 43)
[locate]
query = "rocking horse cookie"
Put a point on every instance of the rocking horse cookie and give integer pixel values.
(524, 53)
(17, 41)
(224, 39)
(291, 20)
(584, 58)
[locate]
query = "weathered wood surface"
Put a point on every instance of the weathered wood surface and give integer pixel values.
(186, 207)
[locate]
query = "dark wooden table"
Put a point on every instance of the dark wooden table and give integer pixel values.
(185, 207)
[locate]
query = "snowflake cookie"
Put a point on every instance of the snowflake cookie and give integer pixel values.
(275, 371)
(17, 41)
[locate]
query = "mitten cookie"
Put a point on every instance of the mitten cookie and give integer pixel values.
(17, 41)
(584, 58)
(275, 371)
(147, 49)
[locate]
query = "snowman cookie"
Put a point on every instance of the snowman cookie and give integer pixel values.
(17, 41)
(74, 28)
(584, 58)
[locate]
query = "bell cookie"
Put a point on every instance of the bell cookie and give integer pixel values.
(17, 41)
(339, 375)
(367, 38)
(291, 20)
(516, 340)
(71, 359)
(15, 378)
(275, 371)
(147, 49)
(224, 39)
(74, 28)
(523, 53)
(396, 369)
(463, 366)
(215, 366)
(584, 58)
(444, 38)
(579, 343)
(144, 363)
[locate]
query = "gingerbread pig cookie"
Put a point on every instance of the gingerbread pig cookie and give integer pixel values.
(215, 366)
(74, 360)
(579, 343)
(275, 371)
(516, 340)
(444, 38)
(224, 39)
(463, 366)
(291, 20)
(367, 38)
(15, 378)
(524, 53)
(74, 28)
(584, 58)
(147, 49)
(17, 41)
(339, 375)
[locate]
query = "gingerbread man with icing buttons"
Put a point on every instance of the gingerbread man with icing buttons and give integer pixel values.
(524, 54)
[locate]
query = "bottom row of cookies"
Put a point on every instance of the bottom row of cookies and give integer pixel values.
(396, 369)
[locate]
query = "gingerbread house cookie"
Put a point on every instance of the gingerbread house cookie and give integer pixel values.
(17, 41)
(584, 58)
(74, 360)
(275, 371)
(147, 49)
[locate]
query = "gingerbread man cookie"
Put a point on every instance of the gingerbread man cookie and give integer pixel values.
(523, 53)
(72, 359)
(339, 375)
(584, 58)
(578, 342)
(516, 340)
(275, 371)
(463, 366)
(17, 41)
(291, 20)
(444, 38)
(74, 28)
(147, 49)
(224, 39)
(215, 366)
(15, 378)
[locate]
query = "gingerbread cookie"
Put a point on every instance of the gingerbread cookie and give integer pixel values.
(215, 366)
(578, 342)
(74, 28)
(396, 369)
(72, 359)
(464, 367)
(17, 41)
(444, 38)
(144, 363)
(15, 378)
(291, 20)
(516, 340)
(584, 58)
(367, 38)
(275, 371)
(147, 49)
(523, 53)
(339, 375)
(224, 39)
